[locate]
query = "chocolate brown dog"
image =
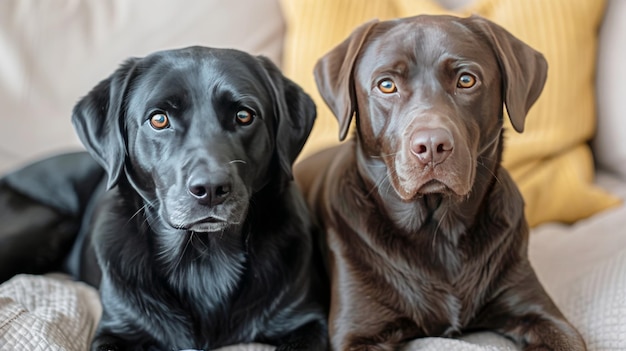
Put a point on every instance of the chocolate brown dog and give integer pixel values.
(425, 230)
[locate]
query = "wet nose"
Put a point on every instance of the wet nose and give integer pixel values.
(432, 146)
(210, 189)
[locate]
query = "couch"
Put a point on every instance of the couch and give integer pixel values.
(570, 164)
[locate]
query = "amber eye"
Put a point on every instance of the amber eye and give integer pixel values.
(159, 121)
(466, 81)
(387, 86)
(244, 117)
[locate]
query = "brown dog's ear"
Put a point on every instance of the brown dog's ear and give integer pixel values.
(98, 120)
(524, 70)
(334, 76)
(295, 114)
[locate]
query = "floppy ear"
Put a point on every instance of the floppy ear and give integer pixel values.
(98, 120)
(295, 115)
(524, 70)
(334, 76)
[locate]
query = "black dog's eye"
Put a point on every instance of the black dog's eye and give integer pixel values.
(466, 81)
(244, 117)
(159, 120)
(387, 86)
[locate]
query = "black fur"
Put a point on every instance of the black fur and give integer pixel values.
(202, 239)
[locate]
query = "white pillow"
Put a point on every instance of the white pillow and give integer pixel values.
(44, 313)
(610, 141)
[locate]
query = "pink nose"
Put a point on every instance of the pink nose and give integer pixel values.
(432, 146)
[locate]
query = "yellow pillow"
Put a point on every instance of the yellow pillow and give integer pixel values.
(551, 161)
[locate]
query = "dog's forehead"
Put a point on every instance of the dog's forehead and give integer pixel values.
(425, 40)
(207, 67)
(180, 76)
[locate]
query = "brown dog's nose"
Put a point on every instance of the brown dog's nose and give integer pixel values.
(432, 146)
(210, 189)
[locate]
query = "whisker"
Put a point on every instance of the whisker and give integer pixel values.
(180, 257)
(377, 185)
(385, 155)
(202, 250)
(238, 161)
(490, 170)
(445, 213)
(136, 213)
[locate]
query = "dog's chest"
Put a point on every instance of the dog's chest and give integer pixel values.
(433, 291)
(432, 281)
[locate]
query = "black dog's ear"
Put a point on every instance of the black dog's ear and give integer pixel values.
(524, 70)
(97, 119)
(334, 76)
(295, 113)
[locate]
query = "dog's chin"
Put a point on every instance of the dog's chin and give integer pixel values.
(434, 187)
(208, 227)
(429, 187)
(205, 225)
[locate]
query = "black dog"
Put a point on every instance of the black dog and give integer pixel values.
(425, 229)
(202, 239)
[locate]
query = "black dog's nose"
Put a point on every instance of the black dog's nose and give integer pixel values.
(210, 189)
(432, 146)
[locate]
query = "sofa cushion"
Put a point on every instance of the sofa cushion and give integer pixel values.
(40, 313)
(54, 52)
(610, 140)
(582, 267)
(551, 161)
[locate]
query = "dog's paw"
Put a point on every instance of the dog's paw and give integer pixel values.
(293, 347)
(106, 347)
(302, 345)
(105, 344)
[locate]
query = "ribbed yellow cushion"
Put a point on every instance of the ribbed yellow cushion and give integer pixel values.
(551, 161)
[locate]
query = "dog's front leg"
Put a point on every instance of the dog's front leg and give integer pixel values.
(112, 343)
(107, 343)
(312, 336)
(526, 314)
(376, 336)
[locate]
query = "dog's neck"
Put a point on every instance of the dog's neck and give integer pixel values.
(454, 215)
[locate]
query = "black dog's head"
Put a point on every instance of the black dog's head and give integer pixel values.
(428, 95)
(196, 132)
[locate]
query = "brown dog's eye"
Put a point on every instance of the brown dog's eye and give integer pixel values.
(159, 121)
(387, 86)
(244, 117)
(466, 81)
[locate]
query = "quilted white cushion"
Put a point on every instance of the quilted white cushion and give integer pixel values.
(41, 313)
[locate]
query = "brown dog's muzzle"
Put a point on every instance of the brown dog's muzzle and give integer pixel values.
(432, 146)
(431, 155)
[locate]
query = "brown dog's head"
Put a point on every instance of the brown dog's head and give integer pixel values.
(428, 95)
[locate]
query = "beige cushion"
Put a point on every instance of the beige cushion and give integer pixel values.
(610, 141)
(54, 52)
(582, 266)
(40, 313)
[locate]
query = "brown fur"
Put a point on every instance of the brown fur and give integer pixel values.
(425, 230)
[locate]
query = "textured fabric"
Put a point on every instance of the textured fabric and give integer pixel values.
(583, 267)
(40, 313)
(596, 305)
(483, 341)
(610, 141)
(551, 161)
